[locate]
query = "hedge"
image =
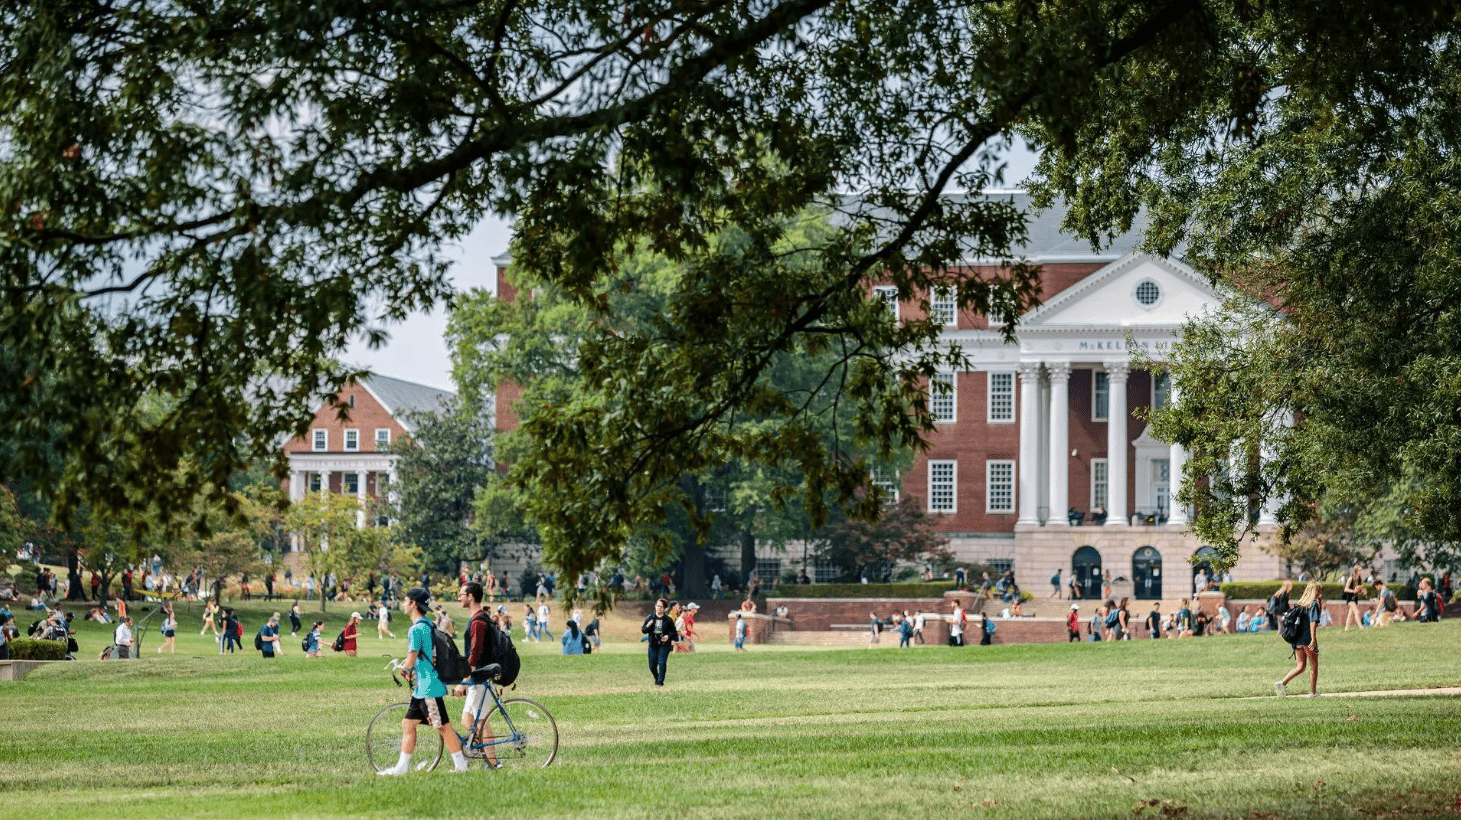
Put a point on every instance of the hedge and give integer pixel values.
(934, 589)
(1333, 591)
(29, 649)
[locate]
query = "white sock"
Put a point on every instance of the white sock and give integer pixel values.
(460, 760)
(404, 762)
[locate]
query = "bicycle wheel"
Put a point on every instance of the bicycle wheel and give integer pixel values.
(532, 742)
(383, 741)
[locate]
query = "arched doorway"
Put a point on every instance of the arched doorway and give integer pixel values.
(1202, 562)
(1085, 566)
(1146, 573)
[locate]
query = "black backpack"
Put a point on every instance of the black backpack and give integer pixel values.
(259, 639)
(1292, 624)
(339, 644)
(449, 664)
(504, 653)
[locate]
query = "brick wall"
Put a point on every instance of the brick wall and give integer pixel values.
(366, 416)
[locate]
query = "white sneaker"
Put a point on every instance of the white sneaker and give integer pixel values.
(1278, 687)
(1313, 694)
(391, 771)
(461, 768)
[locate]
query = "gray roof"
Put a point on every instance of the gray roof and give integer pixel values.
(1047, 243)
(402, 398)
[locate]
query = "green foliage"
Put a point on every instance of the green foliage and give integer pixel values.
(1262, 590)
(903, 534)
(13, 527)
(932, 589)
(443, 464)
(30, 649)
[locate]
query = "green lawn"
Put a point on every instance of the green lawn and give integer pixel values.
(1091, 730)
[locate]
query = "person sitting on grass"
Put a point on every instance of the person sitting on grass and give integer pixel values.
(427, 689)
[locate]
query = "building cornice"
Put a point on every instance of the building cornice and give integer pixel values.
(342, 462)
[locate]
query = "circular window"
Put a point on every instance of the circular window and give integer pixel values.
(1147, 293)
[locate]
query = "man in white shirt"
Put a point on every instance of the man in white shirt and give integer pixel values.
(543, 612)
(123, 638)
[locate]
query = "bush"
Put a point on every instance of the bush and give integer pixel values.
(1261, 590)
(29, 649)
(931, 589)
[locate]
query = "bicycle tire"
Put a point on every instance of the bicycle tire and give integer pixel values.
(383, 741)
(535, 742)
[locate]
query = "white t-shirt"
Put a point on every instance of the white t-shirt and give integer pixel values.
(384, 616)
(918, 622)
(956, 623)
(543, 614)
(123, 636)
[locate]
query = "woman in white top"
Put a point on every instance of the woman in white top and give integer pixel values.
(169, 632)
(383, 620)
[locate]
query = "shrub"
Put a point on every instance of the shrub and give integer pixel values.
(932, 589)
(29, 649)
(1261, 590)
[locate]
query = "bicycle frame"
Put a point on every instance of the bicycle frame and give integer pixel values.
(470, 742)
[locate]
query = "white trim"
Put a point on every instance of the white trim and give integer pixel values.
(989, 397)
(378, 440)
(319, 440)
(953, 488)
(944, 298)
(1008, 465)
(1161, 294)
(1096, 405)
(883, 292)
(1077, 291)
(346, 437)
(1106, 481)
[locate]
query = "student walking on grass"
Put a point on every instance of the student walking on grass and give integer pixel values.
(169, 631)
(427, 689)
(1306, 642)
(660, 628)
(1354, 589)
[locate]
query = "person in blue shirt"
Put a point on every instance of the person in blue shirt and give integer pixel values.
(269, 634)
(427, 689)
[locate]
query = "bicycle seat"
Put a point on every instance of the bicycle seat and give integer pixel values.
(489, 672)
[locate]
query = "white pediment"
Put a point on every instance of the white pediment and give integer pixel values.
(1137, 290)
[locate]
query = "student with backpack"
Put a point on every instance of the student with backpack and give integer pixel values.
(1278, 604)
(481, 637)
(1300, 630)
(1385, 604)
(1073, 624)
(427, 688)
(267, 638)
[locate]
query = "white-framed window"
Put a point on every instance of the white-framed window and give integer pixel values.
(888, 482)
(943, 397)
(999, 483)
(888, 295)
(1099, 484)
(321, 440)
(1101, 396)
(352, 441)
(314, 482)
(944, 307)
(1161, 390)
(382, 437)
(1001, 397)
(350, 483)
(943, 477)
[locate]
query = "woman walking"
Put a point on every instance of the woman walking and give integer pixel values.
(1427, 604)
(294, 624)
(1354, 587)
(210, 609)
(1306, 643)
(1122, 632)
(312, 645)
(169, 631)
(660, 628)
(352, 634)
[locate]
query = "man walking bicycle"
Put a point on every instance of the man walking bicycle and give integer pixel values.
(427, 689)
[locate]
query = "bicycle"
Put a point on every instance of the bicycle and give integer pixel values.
(516, 732)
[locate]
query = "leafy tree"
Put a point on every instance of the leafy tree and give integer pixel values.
(13, 527)
(904, 534)
(752, 480)
(443, 463)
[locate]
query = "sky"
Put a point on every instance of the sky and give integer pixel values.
(416, 351)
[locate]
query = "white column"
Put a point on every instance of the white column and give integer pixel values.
(1176, 466)
(296, 485)
(1116, 445)
(1059, 442)
(1029, 467)
(360, 496)
(324, 481)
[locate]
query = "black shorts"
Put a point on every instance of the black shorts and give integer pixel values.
(1350, 597)
(431, 711)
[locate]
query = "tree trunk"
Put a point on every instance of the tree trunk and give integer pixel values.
(693, 564)
(748, 556)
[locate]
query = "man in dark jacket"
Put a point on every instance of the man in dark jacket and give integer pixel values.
(660, 628)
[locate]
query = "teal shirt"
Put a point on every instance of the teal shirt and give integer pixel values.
(428, 683)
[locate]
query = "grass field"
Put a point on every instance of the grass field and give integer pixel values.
(1140, 729)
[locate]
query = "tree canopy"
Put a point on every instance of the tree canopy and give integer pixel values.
(200, 195)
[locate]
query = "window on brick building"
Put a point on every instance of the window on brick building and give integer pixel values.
(942, 397)
(888, 481)
(1000, 484)
(350, 483)
(942, 481)
(888, 295)
(1101, 397)
(944, 307)
(314, 482)
(352, 441)
(321, 440)
(1099, 483)
(1001, 398)
(382, 437)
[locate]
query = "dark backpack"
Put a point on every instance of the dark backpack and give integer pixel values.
(259, 639)
(1113, 619)
(339, 644)
(304, 644)
(1292, 624)
(504, 654)
(449, 664)
(1273, 605)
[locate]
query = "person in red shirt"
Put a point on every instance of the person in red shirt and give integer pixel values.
(352, 632)
(478, 644)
